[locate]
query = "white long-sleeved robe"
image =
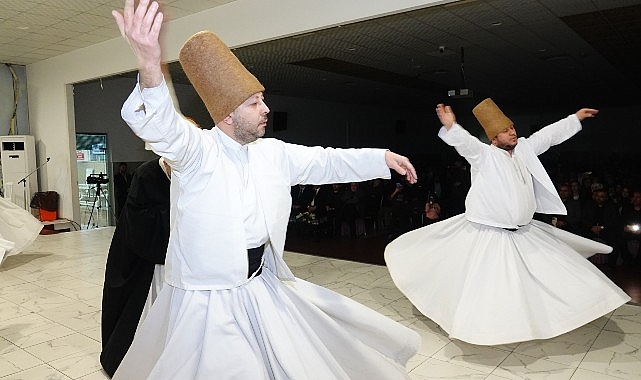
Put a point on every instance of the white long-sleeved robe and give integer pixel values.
(211, 321)
(482, 282)
(493, 198)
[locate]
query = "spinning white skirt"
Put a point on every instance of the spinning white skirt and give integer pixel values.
(486, 285)
(18, 228)
(266, 329)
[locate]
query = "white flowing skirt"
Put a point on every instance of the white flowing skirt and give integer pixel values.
(266, 329)
(157, 283)
(18, 228)
(486, 285)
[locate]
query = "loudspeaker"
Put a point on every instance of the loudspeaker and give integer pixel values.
(280, 121)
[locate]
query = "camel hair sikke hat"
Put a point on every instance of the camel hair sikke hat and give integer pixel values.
(221, 81)
(491, 118)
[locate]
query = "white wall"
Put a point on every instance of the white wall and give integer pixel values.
(241, 22)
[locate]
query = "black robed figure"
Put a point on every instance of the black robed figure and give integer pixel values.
(138, 244)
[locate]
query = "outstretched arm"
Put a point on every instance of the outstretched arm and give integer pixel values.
(584, 113)
(560, 131)
(140, 27)
(445, 115)
(401, 165)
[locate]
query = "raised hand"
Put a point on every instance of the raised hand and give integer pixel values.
(445, 115)
(140, 27)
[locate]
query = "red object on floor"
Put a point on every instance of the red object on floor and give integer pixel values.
(46, 215)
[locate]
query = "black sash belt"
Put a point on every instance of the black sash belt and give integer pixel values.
(255, 257)
(511, 229)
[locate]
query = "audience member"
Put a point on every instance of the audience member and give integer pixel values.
(575, 188)
(401, 210)
(631, 220)
(373, 204)
(458, 183)
(432, 211)
(570, 222)
(624, 199)
(301, 197)
(352, 223)
(334, 207)
(601, 219)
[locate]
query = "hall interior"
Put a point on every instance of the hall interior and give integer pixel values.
(50, 301)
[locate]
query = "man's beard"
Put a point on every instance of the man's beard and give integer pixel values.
(507, 147)
(244, 132)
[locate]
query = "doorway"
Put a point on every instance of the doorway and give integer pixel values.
(94, 180)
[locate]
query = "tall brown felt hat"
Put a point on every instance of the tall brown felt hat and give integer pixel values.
(491, 118)
(222, 82)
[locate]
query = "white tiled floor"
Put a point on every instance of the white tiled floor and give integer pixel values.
(50, 321)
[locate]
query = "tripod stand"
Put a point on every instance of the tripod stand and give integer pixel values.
(93, 207)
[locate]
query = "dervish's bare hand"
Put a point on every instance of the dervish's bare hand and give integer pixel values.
(140, 27)
(445, 115)
(584, 113)
(401, 165)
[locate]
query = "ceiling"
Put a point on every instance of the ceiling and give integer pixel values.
(566, 53)
(34, 30)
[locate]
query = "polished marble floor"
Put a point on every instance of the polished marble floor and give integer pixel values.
(50, 321)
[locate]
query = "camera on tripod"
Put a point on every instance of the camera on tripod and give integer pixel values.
(97, 179)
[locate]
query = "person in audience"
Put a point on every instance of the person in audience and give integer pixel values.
(493, 275)
(372, 207)
(334, 207)
(601, 221)
(401, 209)
(352, 201)
(314, 220)
(317, 205)
(458, 184)
(575, 188)
(624, 200)
(301, 197)
(230, 306)
(432, 211)
(595, 187)
(631, 220)
(572, 220)
(18, 229)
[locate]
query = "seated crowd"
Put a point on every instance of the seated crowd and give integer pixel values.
(603, 203)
